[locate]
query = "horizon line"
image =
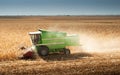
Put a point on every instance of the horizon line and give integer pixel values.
(60, 15)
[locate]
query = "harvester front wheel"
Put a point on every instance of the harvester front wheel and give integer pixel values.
(66, 51)
(43, 51)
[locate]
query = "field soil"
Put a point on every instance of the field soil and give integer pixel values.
(99, 53)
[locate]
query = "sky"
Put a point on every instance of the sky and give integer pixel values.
(59, 7)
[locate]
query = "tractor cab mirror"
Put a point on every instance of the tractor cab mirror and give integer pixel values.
(35, 37)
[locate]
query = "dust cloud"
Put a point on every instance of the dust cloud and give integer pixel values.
(99, 44)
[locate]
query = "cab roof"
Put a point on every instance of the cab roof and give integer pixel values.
(37, 32)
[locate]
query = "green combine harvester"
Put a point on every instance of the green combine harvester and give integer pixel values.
(46, 42)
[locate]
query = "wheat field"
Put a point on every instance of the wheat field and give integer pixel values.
(98, 54)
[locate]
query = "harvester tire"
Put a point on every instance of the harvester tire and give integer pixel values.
(66, 51)
(43, 51)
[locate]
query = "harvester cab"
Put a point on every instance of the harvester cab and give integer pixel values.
(35, 37)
